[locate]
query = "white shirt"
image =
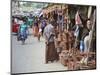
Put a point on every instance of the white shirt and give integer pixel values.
(48, 31)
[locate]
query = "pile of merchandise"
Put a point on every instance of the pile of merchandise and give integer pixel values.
(72, 57)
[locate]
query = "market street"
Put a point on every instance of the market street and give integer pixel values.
(31, 56)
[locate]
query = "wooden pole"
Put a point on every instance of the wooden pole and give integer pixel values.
(93, 26)
(89, 11)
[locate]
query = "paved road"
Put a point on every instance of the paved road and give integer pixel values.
(31, 57)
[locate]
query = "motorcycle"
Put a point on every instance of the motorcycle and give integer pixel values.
(22, 36)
